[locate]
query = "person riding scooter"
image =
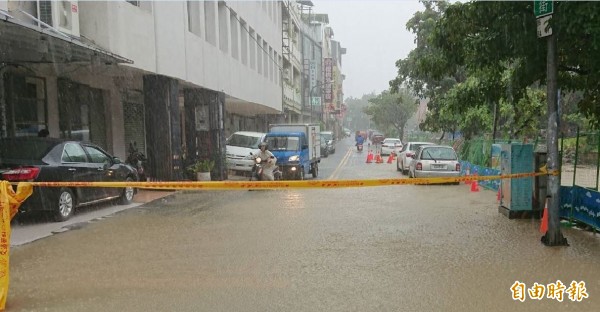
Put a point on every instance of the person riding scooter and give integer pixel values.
(268, 161)
(359, 142)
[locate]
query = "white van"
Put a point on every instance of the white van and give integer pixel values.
(239, 146)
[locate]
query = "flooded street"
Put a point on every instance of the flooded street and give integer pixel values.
(397, 248)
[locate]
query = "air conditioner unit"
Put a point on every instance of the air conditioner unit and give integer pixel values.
(61, 15)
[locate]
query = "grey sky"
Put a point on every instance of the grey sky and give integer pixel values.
(374, 33)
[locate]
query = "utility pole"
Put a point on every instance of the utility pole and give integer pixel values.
(553, 236)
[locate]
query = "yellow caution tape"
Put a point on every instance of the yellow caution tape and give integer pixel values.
(244, 185)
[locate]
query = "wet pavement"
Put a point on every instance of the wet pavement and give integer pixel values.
(393, 248)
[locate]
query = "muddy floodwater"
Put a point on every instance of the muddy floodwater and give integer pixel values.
(397, 248)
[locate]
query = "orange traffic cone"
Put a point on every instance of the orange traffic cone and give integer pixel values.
(468, 175)
(544, 224)
(474, 186)
(369, 157)
(390, 158)
(378, 158)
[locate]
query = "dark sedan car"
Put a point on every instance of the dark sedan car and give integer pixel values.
(54, 160)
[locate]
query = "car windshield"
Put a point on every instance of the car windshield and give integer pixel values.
(391, 141)
(241, 140)
(327, 136)
(438, 153)
(283, 143)
(24, 149)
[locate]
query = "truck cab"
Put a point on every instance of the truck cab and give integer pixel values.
(292, 153)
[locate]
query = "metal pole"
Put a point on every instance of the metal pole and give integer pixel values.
(553, 236)
(311, 103)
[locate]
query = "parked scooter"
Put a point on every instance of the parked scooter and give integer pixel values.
(136, 159)
(257, 170)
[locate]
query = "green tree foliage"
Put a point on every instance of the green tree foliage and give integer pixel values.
(356, 107)
(483, 68)
(425, 70)
(501, 37)
(392, 110)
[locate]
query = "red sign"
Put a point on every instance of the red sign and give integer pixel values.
(74, 8)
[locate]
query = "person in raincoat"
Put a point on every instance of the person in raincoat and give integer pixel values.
(268, 161)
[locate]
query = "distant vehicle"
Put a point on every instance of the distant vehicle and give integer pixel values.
(347, 132)
(377, 138)
(405, 156)
(431, 161)
(390, 145)
(55, 160)
(238, 148)
(330, 140)
(324, 146)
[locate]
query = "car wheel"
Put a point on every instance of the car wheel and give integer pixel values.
(315, 171)
(65, 205)
(127, 194)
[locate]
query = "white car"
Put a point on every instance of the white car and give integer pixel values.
(433, 161)
(405, 156)
(390, 145)
(238, 149)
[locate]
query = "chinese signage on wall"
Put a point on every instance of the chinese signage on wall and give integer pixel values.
(328, 66)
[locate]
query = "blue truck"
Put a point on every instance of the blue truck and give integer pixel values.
(297, 148)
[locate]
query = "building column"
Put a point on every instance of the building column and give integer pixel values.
(163, 134)
(205, 129)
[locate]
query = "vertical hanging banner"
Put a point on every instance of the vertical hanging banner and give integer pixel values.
(9, 204)
(312, 72)
(328, 67)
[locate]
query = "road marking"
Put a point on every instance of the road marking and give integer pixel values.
(342, 163)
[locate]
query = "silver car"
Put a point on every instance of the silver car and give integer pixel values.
(432, 161)
(405, 156)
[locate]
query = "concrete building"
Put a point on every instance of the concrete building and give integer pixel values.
(312, 52)
(175, 77)
(291, 43)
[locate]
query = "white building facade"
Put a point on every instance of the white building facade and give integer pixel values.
(175, 77)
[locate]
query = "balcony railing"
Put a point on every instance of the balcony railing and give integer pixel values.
(291, 96)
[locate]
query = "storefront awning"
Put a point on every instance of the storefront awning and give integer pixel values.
(26, 43)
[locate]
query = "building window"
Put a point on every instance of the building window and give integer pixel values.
(210, 19)
(271, 67)
(223, 27)
(266, 57)
(77, 104)
(25, 105)
(235, 26)
(193, 9)
(244, 42)
(252, 48)
(259, 54)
